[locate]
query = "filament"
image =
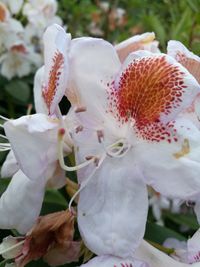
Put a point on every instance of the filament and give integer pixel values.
(62, 162)
(84, 183)
(12, 247)
(4, 118)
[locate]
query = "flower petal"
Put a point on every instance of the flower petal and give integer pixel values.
(173, 168)
(93, 64)
(20, 204)
(193, 246)
(150, 91)
(143, 41)
(189, 60)
(10, 166)
(56, 45)
(40, 105)
(155, 257)
(112, 209)
(33, 139)
(108, 261)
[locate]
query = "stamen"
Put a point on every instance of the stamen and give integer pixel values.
(100, 135)
(29, 109)
(3, 136)
(4, 118)
(60, 117)
(5, 144)
(84, 183)
(118, 149)
(79, 129)
(80, 109)
(61, 156)
(4, 149)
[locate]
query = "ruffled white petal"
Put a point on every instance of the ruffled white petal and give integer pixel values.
(109, 261)
(33, 139)
(112, 209)
(188, 59)
(173, 168)
(20, 204)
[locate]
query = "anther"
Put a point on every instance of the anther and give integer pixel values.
(79, 129)
(96, 162)
(61, 132)
(100, 135)
(80, 109)
(89, 157)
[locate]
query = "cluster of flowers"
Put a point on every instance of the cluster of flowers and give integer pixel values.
(116, 18)
(20, 44)
(134, 121)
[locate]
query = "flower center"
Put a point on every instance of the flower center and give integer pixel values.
(149, 88)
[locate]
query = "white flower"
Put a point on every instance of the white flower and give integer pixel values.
(14, 6)
(133, 135)
(19, 61)
(41, 12)
(34, 143)
(187, 252)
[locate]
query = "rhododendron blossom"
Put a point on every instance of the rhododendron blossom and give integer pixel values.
(128, 126)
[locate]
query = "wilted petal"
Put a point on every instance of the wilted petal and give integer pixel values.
(112, 209)
(52, 238)
(109, 261)
(20, 204)
(10, 247)
(56, 45)
(189, 60)
(68, 252)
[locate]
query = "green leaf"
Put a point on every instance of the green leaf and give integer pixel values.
(183, 219)
(54, 196)
(3, 185)
(54, 201)
(19, 90)
(3, 263)
(159, 234)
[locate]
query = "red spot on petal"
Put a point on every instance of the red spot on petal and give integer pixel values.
(49, 91)
(148, 88)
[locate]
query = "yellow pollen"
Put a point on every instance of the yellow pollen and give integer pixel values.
(184, 150)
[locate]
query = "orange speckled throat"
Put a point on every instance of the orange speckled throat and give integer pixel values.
(148, 88)
(49, 91)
